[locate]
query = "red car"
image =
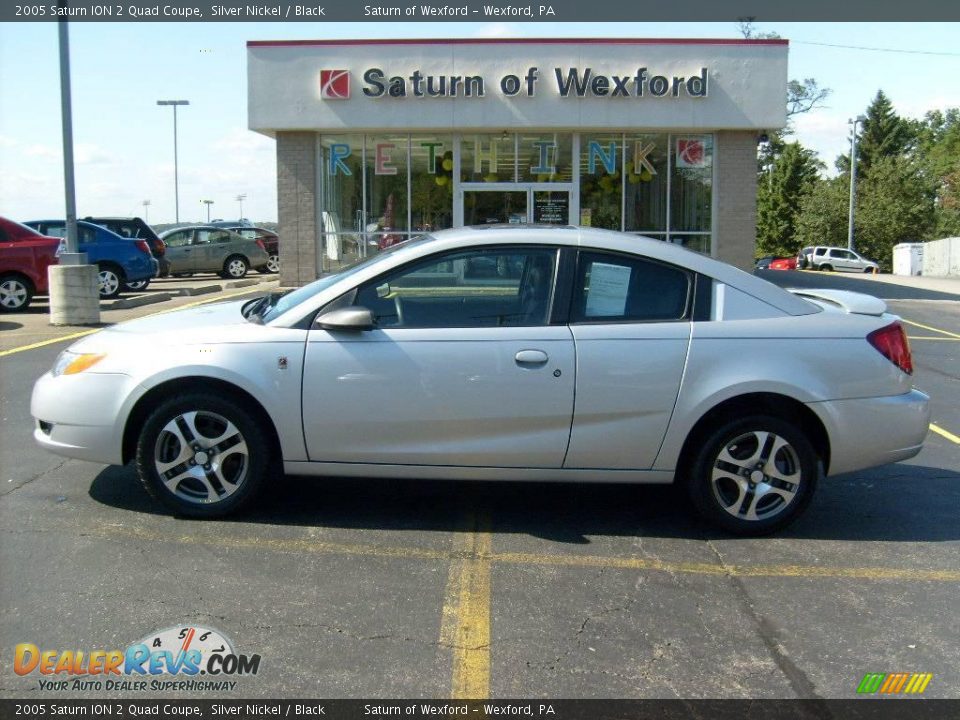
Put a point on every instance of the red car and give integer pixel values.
(786, 263)
(24, 257)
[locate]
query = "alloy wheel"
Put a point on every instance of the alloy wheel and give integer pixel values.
(108, 283)
(756, 476)
(273, 263)
(13, 294)
(201, 457)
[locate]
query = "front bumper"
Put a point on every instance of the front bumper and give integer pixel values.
(82, 416)
(867, 432)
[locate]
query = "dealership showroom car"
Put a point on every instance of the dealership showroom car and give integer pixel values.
(534, 353)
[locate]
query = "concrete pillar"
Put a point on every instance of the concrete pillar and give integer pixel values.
(736, 157)
(74, 295)
(297, 211)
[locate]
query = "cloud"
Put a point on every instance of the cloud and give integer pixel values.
(90, 154)
(41, 151)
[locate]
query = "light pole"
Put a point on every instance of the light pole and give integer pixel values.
(853, 177)
(240, 198)
(176, 178)
(208, 203)
(146, 211)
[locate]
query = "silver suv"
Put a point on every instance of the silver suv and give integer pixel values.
(823, 257)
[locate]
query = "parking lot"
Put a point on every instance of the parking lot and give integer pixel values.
(371, 588)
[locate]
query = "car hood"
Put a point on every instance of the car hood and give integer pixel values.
(218, 322)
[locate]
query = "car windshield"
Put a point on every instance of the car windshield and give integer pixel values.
(292, 299)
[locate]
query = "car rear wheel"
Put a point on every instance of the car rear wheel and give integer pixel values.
(137, 285)
(826, 267)
(272, 266)
(15, 293)
(109, 281)
(235, 267)
(754, 475)
(202, 456)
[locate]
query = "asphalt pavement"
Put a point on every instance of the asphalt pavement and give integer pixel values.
(415, 589)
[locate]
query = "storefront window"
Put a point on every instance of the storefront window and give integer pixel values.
(488, 158)
(700, 243)
(545, 157)
(431, 182)
(342, 221)
(691, 191)
(386, 177)
(601, 180)
(646, 173)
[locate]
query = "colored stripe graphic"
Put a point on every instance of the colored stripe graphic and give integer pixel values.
(894, 683)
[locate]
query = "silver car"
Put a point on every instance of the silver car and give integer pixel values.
(823, 257)
(204, 248)
(529, 353)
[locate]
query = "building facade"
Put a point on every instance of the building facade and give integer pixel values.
(380, 140)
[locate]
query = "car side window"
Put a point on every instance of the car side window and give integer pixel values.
(220, 236)
(483, 287)
(87, 235)
(177, 239)
(617, 288)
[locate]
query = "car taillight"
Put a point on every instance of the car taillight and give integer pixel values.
(260, 243)
(891, 342)
(159, 247)
(142, 244)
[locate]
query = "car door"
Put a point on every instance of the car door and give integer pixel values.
(840, 259)
(630, 319)
(462, 367)
(180, 251)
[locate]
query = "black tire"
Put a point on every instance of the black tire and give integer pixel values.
(109, 281)
(235, 267)
(206, 417)
(826, 267)
(137, 285)
(725, 492)
(16, 292)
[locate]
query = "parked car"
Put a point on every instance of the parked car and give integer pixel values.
(205, 248)
(25, 256)
(120, 260)
(271, 243)
(784, 263)
(406, 365)
(823, 257)
(137, 228)
(773, 262)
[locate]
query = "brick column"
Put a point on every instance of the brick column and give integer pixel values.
(297, 211)
(736, 157)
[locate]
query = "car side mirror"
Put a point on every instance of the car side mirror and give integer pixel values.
(350, 318)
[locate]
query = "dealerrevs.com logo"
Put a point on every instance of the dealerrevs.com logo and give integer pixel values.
(170, 659)
(335, 84)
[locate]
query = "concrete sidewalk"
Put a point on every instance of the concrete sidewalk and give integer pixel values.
(947, 284)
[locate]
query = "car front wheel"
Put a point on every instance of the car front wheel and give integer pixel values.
(235, 267)
(202, 456)
(137, 285)
(15, 293)
(754, 476)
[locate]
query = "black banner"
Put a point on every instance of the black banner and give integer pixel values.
(517, 11)
(862, 709)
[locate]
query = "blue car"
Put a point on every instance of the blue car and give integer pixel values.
(121, 260)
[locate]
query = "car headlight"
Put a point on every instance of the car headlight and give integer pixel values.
(69, 363)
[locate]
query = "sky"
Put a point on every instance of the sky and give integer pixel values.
(124, 142)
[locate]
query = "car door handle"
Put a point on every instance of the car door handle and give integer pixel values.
(531, 357)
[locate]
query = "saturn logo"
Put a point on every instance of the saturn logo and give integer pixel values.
(335, 84)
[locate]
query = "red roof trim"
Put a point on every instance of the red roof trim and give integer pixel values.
(522, 41)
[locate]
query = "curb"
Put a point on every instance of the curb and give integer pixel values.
(240, 284)
(135, 302)
(202, 290)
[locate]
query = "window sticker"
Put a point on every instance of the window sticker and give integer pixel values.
(607, 294)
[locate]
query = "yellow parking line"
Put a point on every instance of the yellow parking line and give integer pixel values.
(465, 625)
(932, 329)
(83, 333)
(51, 341)
(945, 433)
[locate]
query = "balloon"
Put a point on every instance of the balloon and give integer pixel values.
(441, 180)
(490, 177)
(633, 178)
(646, 175)
(447, 165)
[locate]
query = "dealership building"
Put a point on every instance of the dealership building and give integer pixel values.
(378, 140)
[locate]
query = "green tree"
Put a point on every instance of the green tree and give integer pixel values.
(895, 203)
(823, 213)
(788, 180)
(938, 149)
(883, 134)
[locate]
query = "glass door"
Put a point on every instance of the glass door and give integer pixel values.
(516, 205)
(490, 207)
